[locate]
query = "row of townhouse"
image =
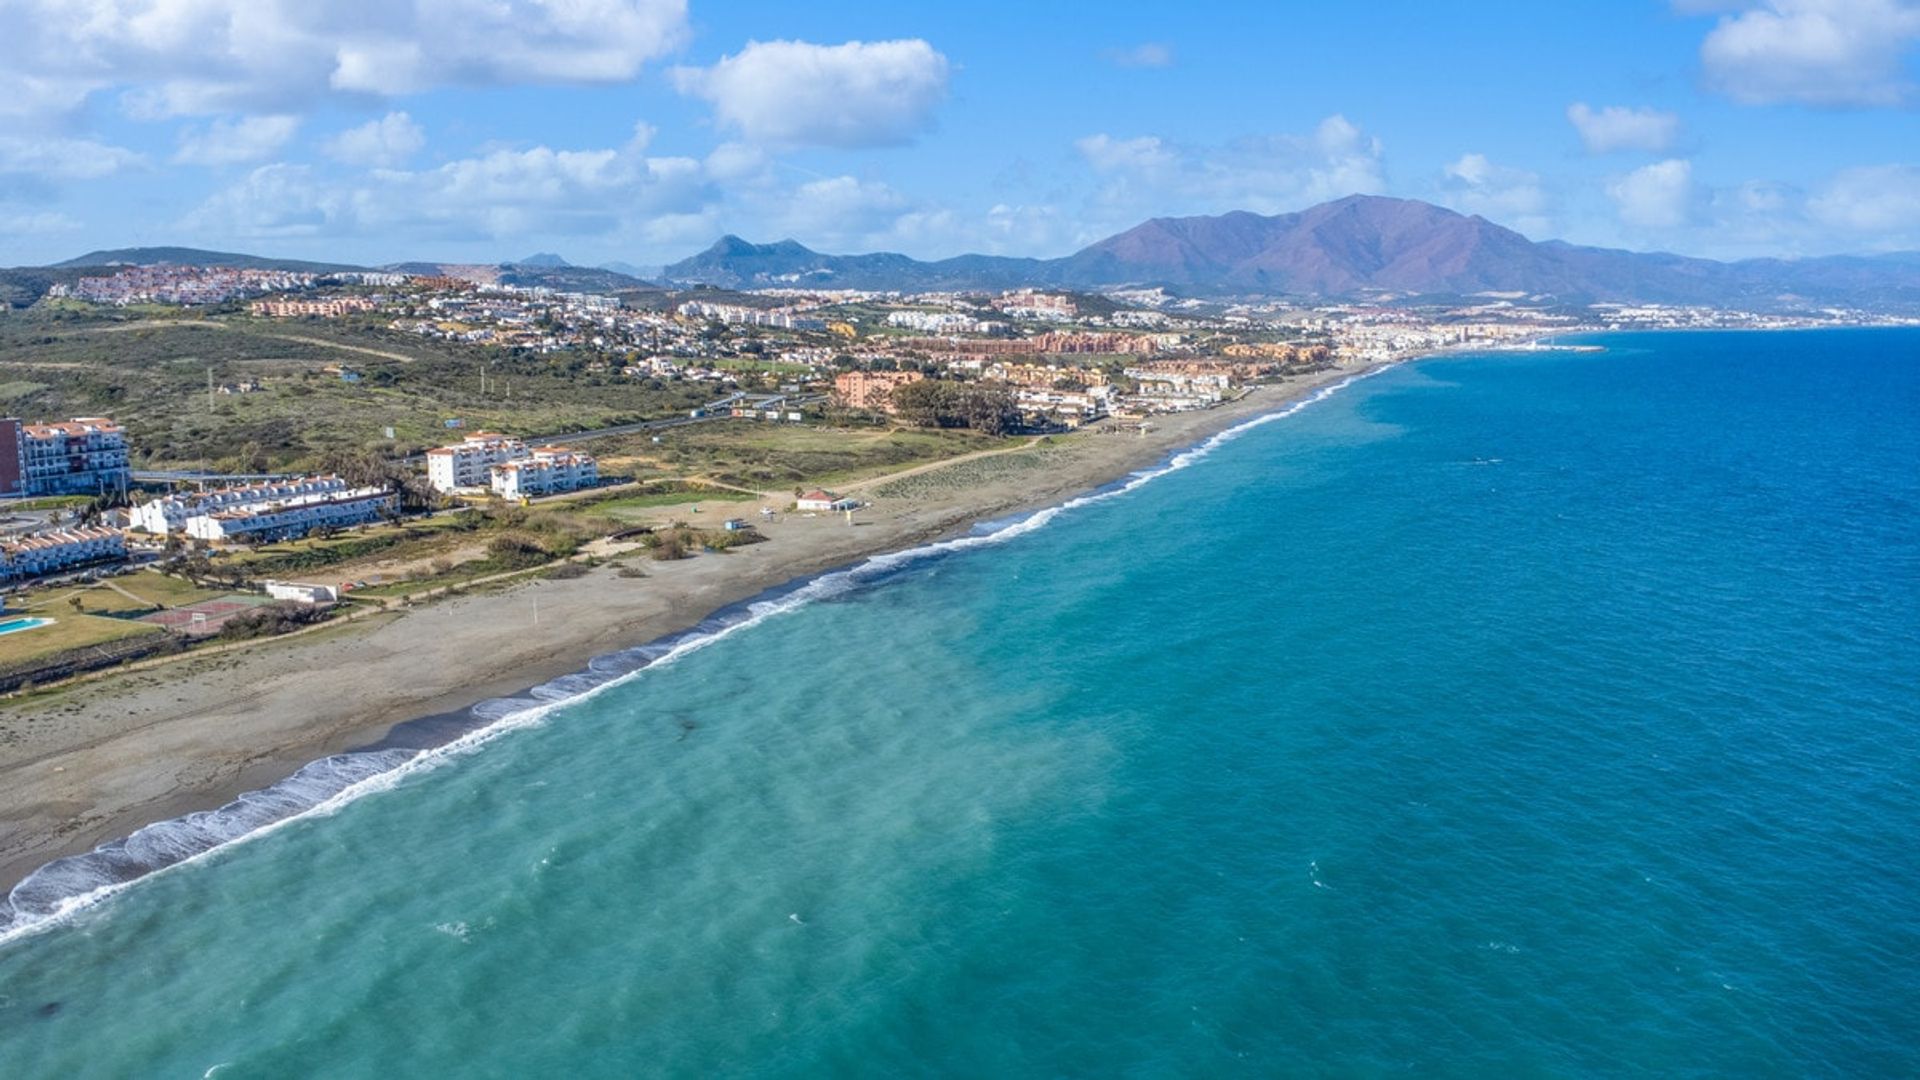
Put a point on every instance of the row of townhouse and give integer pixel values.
(83, 456)
(50, 552)
(170, 513)
(291, 517)
(505, 466)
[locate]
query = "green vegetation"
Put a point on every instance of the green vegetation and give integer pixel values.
(633, 507)
(776, 457)
(151, 374)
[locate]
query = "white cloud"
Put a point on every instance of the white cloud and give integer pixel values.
(502, 195)
(795, 93)
(1871, 199)
(36, 224)
(1657, 196)
(1108, 154)
(64, 159)
(1147, 175)
(1819, 52)
(235, 142)
(181, 57)
(1507, 196)
(1151, 54)
(1616, 127)
(386, 142)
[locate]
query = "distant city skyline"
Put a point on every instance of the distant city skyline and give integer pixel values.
(641, 130)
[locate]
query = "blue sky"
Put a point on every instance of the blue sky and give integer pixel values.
(641, 130)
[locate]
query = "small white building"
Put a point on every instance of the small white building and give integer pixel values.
(823, 500)
(547, 471)
(293, 517)
(37, 554)
(469, 463)
(301, 593)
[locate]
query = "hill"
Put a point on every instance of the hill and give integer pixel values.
(182, 256)
(1360, 246)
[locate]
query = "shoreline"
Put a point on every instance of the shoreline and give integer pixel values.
(225, 736)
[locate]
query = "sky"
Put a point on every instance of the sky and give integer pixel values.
(640, 131)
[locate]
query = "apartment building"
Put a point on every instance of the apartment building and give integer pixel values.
(549, 470)
(83, 456)
(871, 389)
(469, 463)
(296, 516)
(41, 553)
(170, 513)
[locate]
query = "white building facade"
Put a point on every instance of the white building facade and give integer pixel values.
(292, 517)
(38, 554)
(469, 463)
(170, 513)
(83, 456)
(548, 471)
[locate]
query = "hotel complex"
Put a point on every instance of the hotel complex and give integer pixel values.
(83, 456)
(292, 516)
(171, 513)
(505, 466)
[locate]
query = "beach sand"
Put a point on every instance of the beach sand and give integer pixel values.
(105, 756)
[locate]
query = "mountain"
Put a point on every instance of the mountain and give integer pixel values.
(1358, 246)
(626, 268)
(181, 256)
(544, 259)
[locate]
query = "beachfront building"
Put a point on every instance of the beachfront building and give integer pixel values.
(292, 517)
(170, 513)
(57, 550)
(547, 471)
(468, 464)
(83, 456)
(820, 499)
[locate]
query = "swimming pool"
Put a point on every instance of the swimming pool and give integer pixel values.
(9, 626)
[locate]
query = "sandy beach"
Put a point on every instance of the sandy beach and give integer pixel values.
(103, 757)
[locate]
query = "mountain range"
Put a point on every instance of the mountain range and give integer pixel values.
(1360, 246)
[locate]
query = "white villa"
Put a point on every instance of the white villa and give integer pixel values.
(50, 552)
(468, 464)
(821, 499)
(548, 470)
(170, 513)
(294, 516)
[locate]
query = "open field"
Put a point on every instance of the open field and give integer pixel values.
(69, 630)
(151, 374)
(777, 457)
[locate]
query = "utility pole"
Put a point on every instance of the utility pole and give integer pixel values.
(209, 390)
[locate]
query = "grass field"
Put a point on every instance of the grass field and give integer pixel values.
(777, 457)
(151, 374)
(68, 631)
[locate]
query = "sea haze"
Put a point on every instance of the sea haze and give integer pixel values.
(1533, 714)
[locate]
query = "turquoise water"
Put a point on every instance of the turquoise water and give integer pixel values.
(14, 626)
(1545, 715)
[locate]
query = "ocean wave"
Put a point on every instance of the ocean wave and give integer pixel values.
(66, 886)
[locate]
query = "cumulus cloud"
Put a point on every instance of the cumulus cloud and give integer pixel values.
(1657, 196)
(1616, 127)
(1512, 197)
(184, 57)
(386, 142)
(235, 142)
(795, 93)
(1265, 173)
(1819, 52)
(1151, 54)
(64, 159)
(502, 195)
(1870, 199)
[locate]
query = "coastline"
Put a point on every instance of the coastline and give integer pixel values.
(173, 744)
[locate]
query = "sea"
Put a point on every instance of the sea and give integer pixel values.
(1547, 714)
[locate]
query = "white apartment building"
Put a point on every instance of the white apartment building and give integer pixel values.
(170, 513)
(468, 464)
(50, 552)
(83, 456)
(549, 470)
(295, 516)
